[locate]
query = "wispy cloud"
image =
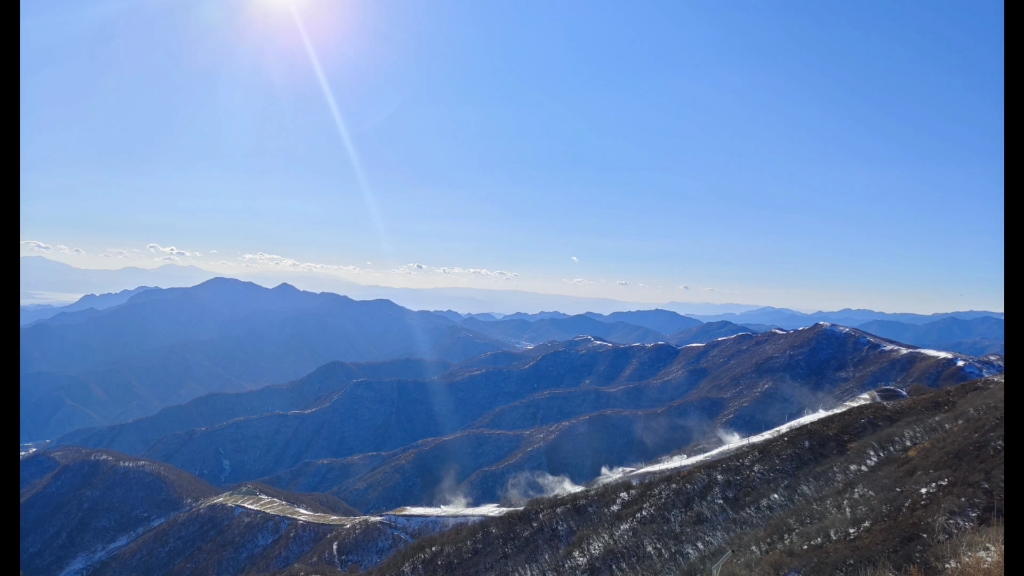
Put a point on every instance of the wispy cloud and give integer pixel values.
(36, 246)
(65, 250)
(684, 287)
(117, 253)
(263, 259)
(622, 283)
(213, 251)
(171, 250)
(454, 271)
(575, 259)
(578, 281)
(169, 258)
(709, 289)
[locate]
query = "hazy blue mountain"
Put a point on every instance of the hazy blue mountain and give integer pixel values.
(706, 308)
(525, 332)
(758, 328)
(449, 314)
(566, 408)
(664, 321)
(30, 314)
(165, 347)
(707, 332)
(39, 274)
(42, 276)
(791, 319)
(537, 316)
(977, 336)
(33, 312)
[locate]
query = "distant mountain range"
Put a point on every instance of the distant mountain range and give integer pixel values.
(789, 319)
(972, 333)
(564, 408)
(164, 347)
(230, 428)
(49, 282)
(42, 275)
(974, 336)
(110, 358)
(30, 314)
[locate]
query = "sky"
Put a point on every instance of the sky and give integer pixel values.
(800, 154)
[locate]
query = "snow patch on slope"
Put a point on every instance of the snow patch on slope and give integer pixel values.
(82, 564)
(683, 461)
(486, 510)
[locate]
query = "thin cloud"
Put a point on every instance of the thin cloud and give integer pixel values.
(578, 281)
(263, 259)
(575, 259)
(455, 271)
(622, 283)
(65, 250)
(170, 250)
(117, 252)
(36, 246)
(685, 287)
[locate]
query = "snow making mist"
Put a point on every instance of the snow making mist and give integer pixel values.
(526, 485)
(449, 492)
(727, 436)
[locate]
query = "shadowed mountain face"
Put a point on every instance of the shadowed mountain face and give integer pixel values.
(559, 409)
(818, 499)
(906, 483)
(76, 503)
(165, 347)
(101, 512)
(212, 409)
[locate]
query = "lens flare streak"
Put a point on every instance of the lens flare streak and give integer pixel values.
(339, 122)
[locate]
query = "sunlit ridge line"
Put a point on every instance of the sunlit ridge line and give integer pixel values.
(339, 122)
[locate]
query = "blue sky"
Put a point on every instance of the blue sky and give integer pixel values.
(801, 154)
